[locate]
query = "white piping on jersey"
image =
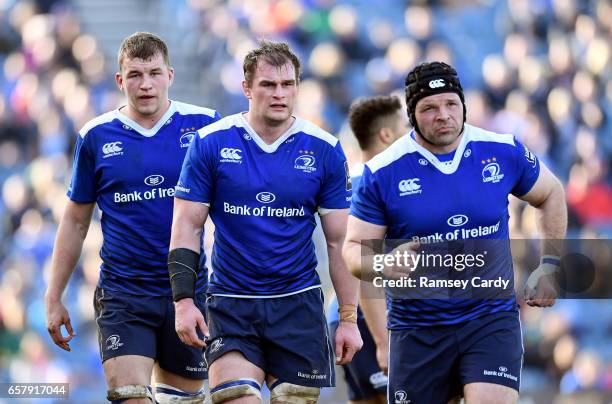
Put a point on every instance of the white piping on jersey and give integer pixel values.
(99, 120)
(238, 120)
(144, 131)
(190, 109)
(357, 170)
(397, 150)
(266, 297)
(222, 124)
(324, 211)
(406, 144)
(175, 106)
(271, 148)
(311, 129)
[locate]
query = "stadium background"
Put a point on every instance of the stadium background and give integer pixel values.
(539, 69)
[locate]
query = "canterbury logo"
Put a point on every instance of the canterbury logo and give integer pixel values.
(113, 147)
(409, 185)
(437, 83)
(231, 154)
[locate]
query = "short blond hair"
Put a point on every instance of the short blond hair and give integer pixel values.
(276, 54)
(142, 45)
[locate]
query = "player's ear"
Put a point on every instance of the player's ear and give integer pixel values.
(119, 81)
(246, 89)
(385, 135)
(170, 75)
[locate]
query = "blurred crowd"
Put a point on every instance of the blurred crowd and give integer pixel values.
(540, 69)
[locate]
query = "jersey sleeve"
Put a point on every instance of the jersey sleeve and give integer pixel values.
(528, 169)
(367, 203)
(336, 188)
(82, 186)
(196, 179)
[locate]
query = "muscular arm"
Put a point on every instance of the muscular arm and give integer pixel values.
(187, 221)
(348, 341)
(548, 197)
(334, 228)
(69, 240)
(357, 255)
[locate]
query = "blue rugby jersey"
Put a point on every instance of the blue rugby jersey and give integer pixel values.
(262, 200)
(131, 172)
(413, 193)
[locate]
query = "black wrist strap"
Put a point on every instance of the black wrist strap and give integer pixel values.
(183, 268)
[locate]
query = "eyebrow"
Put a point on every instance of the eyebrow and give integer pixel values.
(155, 69)
(432, 104)
(265, 81)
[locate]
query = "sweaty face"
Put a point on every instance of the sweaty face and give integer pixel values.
(440, 120)
(145, 83)
(272, 93)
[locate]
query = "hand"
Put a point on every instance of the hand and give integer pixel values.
(382, 357)
(57, 315)
(348, 342)
(187, 318)
(403, 259)
(541, 289)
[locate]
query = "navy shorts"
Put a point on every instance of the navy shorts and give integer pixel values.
(431, 365)
(144, 325)
(286, 337)
(363, 377)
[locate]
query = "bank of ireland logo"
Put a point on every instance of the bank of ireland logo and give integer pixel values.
(401, 397)
(305, 163)
(113, 342)
(154, 180)
(186, 139)
(437, 83)
(231, 155)
(112, 149)
(409, 187)
(457, 220)
(491, 171)
(503, 369)
(265, 197)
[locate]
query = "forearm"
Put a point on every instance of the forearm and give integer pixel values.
(374, 310)
(187, 224)
(551, 221)
(345, 285)
(359, 265)
(66, 253)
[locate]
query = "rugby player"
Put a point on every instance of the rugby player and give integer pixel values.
(262, 175)
(128, 162)
(448, 175)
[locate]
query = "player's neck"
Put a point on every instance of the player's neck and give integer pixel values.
(437, 149)
(146, 121)
(367, 155)
(268, 131)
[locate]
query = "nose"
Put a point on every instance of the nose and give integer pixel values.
(443, 113)
(278, 91)
(146, 83)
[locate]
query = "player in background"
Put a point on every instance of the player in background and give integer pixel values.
(376, 122)
(128, 162)
(448, 177)
(262, 175)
